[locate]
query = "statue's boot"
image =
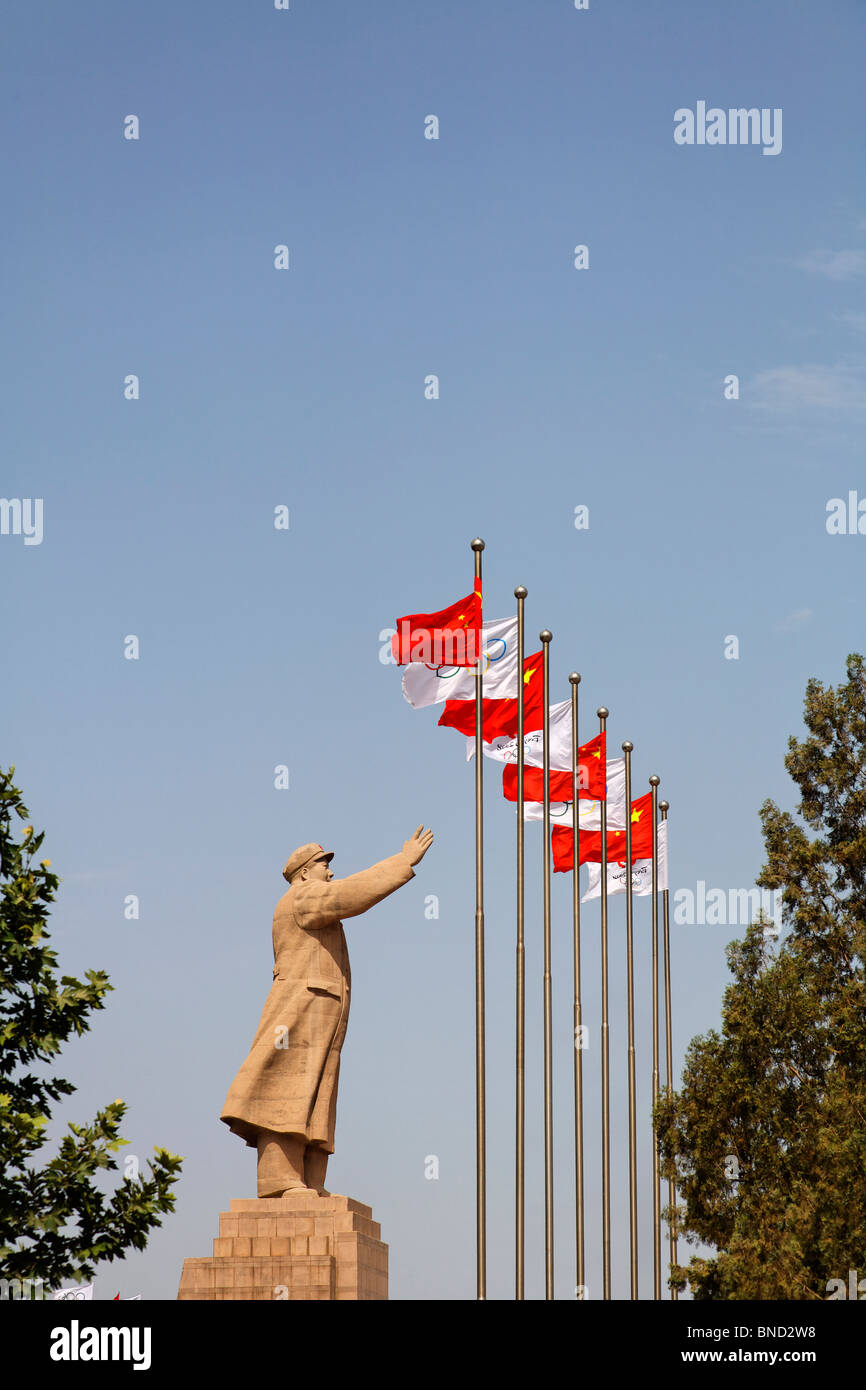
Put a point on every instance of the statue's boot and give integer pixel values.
(281, 1164)
(315, 1167)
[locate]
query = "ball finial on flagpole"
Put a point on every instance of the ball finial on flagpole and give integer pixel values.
(603, 712)
(628, 746)
(521, 591)
(477, 544)
(664, 806)
(574, 677)
(654, 781)
(545, 635)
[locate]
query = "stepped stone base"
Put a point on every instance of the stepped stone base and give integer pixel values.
(297, 1247)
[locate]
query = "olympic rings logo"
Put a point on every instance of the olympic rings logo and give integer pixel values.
(447, 673)
(559, 810)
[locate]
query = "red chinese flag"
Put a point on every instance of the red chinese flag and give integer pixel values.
(562, 840)
(592, 783)
(449, 638)
(562, 844)
(500, 716)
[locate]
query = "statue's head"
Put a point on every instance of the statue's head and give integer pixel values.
(310, 863)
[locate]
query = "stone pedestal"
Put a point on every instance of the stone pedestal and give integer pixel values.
(302, 1246)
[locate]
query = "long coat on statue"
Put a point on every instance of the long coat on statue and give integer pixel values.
(288, 1083)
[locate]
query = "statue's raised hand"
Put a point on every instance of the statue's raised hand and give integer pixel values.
(417, 847)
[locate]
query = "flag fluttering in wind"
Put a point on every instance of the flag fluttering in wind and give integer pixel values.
(591, 776)
(504, 747)
(641, 872)
(588, 811)
(499, 716)
(428, 684)
(451, 637)
(590, 844)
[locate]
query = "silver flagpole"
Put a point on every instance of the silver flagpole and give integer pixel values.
(520, 1081)
(664, 807)
(657, 1232)
(578, 1023)
(603, 715)
(480, 1097)
(546, 637)
(627, 748)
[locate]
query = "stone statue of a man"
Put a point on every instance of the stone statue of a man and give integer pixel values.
(283, 1100)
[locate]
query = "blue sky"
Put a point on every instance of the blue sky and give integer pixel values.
(558, 387)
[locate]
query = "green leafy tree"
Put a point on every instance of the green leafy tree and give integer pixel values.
(54, 1222)
(767, 1137)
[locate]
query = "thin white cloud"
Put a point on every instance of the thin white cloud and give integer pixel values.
(795, 620)
(835, 265)
(810, 387)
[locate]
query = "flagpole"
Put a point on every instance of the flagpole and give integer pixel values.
(546, 637)
(664, 807)
(603, 714)
(657, 1250)
(627, 748)
(520, 1086)
(578, 1023)
(477, 546)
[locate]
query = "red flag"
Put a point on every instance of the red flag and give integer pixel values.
(451, 637)
(592, 783)
(500, 716)
(562, 840)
